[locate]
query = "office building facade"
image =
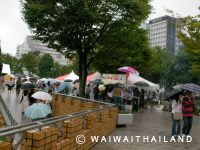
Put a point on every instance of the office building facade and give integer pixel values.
(162, 32)
(35, 45)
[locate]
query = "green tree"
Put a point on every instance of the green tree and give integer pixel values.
(15, 64)
(190, 36)
(30, 61)
(182, 65)
(46, 65)
(161, 67)
(79, 27)
(136, 54)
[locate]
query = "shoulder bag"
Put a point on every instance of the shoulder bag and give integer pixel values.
(178, 116)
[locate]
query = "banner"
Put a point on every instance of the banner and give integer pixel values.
(114, 78)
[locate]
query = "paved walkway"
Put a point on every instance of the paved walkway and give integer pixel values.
(149, 124)
(13, 103)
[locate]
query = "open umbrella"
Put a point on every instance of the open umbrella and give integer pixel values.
(129, 70)
(38, 110)
(110, 85)
(19, 75)
(173, 94)
(7, 77)
(119, 84)
(98, 83)
(42, 95)
(141, 84)
(27, 86)
(26, 82)
(191, 87)
(63, 85)
(51, 80)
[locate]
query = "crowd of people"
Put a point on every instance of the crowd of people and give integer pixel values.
(181, 105)
(118, 95)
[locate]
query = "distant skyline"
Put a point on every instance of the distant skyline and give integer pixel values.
(13, 29)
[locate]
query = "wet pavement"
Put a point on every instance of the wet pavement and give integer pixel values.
(13, 103)
(153, 127)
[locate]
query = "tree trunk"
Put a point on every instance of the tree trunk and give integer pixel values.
(81, 74)
(85, 72)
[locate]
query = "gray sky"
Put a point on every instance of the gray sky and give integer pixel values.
(13, 30)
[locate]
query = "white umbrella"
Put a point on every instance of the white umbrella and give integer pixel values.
(42, 95)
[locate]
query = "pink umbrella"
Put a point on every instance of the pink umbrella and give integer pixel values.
(129, 70)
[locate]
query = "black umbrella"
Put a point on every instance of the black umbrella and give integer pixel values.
(110, 85)
(141, 84)
(119, 84)
(173, 94)
(27, 86)
(191, 87)
(19, 75)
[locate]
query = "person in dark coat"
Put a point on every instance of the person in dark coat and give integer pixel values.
(136, 95)
(32, 100)
(142, 101)
(96, 92)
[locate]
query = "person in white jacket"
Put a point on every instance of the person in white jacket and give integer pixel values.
(176, 108)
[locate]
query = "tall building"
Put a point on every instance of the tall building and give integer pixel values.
(162, 32)
(34, 45)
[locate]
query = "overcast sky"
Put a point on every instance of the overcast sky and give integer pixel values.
(13, 30)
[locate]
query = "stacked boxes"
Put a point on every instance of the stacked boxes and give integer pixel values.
(46, 139)
(68, 105)
(5, 146)
(2, 122)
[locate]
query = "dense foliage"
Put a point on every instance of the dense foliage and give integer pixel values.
(86, 29)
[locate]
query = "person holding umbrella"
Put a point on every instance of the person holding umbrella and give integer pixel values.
(188, 113)
(24, 101)
(18, 86)
(10, 84)
(31, 99)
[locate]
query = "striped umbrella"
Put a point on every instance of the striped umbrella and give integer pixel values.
(129, 70)
(191, 87)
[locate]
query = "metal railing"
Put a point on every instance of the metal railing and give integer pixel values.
(11, 131)
(6, 113)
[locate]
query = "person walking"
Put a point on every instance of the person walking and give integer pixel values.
(74, 92)
(142, 101)
(176, 108)
(106, 93)
(1, 82)
(10, 84)
(50, 86)
(24, 101)
(32, 100)
(117, 94)
(110, 94)
(188, 113)
(87, 91)
(18, 84)
(135, 96)
(96, 92)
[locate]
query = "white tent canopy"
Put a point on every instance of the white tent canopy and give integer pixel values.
(72, 76)
(132, 79)
(6, 69)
